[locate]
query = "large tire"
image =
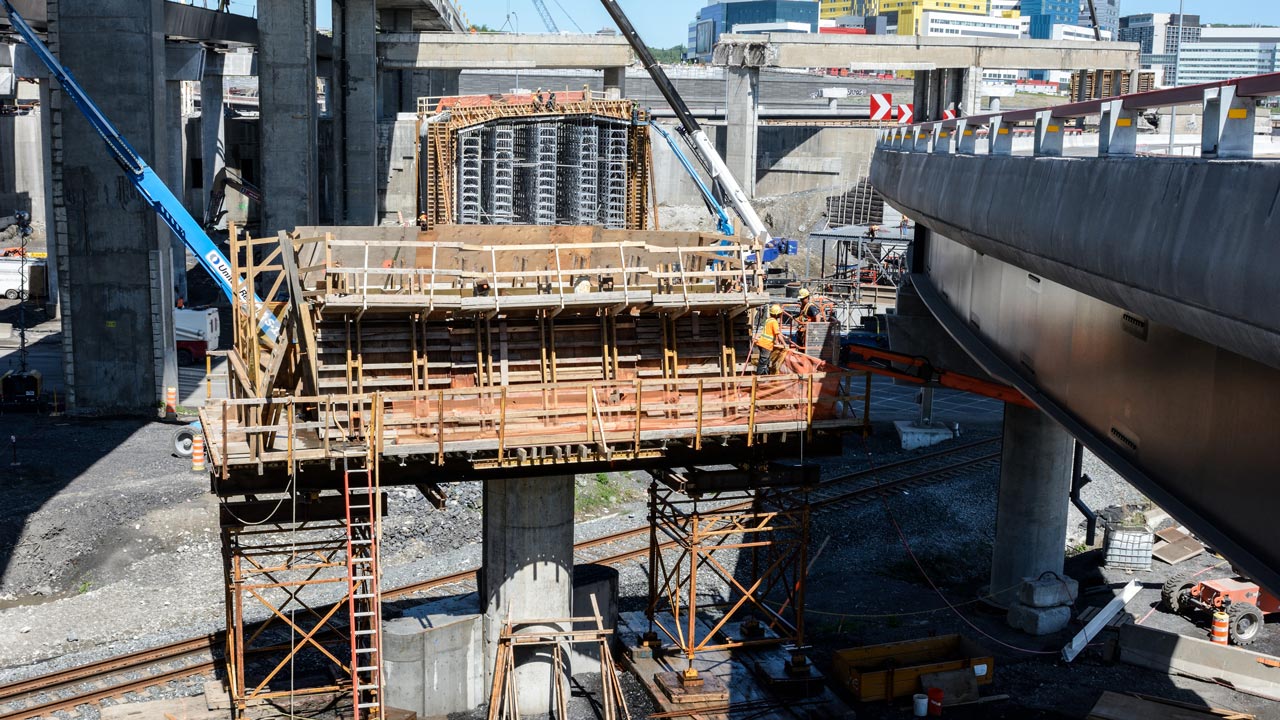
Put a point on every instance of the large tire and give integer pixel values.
(11, 294)
(183, 439)
(1171, 593)
(1245, 621)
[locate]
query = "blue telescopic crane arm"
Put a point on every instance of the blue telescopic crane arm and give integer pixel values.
(145, 180)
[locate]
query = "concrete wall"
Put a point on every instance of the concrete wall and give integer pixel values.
(1187, 243)
(22, 167)
(117, 324)
(790, 159)
(432, 658)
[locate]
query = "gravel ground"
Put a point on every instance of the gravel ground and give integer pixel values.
(109, 545)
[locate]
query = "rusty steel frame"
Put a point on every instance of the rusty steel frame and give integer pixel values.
(776, 532)
(284, 567)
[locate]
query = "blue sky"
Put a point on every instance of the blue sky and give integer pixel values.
(664, 23)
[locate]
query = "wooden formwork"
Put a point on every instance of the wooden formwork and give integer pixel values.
(514, 347)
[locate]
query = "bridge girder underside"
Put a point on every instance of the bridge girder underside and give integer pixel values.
(1190, 423)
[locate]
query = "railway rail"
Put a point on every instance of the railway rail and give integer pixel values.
(117, 677)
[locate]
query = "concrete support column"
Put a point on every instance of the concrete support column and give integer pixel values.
(356, 111)
(971, 95)
(171, 171)
(213, 121)
(527, 573)
(742, 120)
(287, 102)
(616, 78)
(52, 305)
(1031, 513)
(115, 262)
(920, 95)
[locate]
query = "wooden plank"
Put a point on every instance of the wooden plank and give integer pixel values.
(1179, 551)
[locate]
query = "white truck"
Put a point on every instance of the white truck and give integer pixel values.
(11, 277)
(197, 332)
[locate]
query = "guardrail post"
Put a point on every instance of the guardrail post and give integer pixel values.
(922, 139)
(999, 136)
(1228, 124)
(1048, 139)
(966, 138)
(942, 139)
(1117, 130)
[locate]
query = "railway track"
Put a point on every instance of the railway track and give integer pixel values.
(116, 677)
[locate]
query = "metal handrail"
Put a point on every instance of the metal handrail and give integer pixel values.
(1227, 130)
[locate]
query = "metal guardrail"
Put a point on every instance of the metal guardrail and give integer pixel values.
(1227, 131)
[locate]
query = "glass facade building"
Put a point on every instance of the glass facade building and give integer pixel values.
(719, 18)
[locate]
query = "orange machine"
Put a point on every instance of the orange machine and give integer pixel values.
(1244, 602)
(924, 373)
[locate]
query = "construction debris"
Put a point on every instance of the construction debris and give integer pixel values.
(1099, 621)
(1173, 545)
(894, 670)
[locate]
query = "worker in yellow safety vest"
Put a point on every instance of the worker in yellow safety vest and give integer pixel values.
(769, 338)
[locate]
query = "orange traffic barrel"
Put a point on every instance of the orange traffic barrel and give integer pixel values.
(171, 400)
(1220, 623)
(197, 453)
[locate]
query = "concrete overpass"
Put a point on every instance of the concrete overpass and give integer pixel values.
(902, 52)
(476, 51)
(1131, 298)
(948, 71)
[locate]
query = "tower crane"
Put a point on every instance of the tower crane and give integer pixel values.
(547, 20)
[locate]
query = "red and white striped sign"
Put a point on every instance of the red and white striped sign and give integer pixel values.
(906, 113)
(948, 114)
(881, 106)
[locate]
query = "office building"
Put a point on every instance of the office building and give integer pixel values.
(1158, 40)
(907, 15)
(1108, 12)
(747, 16)
(1046, 14)
(950, 24)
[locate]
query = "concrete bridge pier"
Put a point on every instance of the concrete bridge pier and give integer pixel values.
(615, 78)
(356, 111)
(1031, 513)
(287, 103)
(527, 573)
(946, 89)
(117, 327)
(742, 124)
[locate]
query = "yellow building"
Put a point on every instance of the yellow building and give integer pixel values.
(831, 9)
(908, 10)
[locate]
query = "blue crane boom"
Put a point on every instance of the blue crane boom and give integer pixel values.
(147, 183)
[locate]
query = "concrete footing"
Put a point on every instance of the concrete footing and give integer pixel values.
(528, 573)
(1038, 621)
(1031, 513)
(915, 435)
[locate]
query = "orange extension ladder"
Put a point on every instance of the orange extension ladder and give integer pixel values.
(364, 518)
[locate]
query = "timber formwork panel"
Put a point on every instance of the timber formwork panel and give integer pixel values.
(521, 347)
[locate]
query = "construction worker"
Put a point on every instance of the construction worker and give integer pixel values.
(768, 339)
(809, 312)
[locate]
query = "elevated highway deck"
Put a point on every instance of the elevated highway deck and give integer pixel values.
(1131, 298)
